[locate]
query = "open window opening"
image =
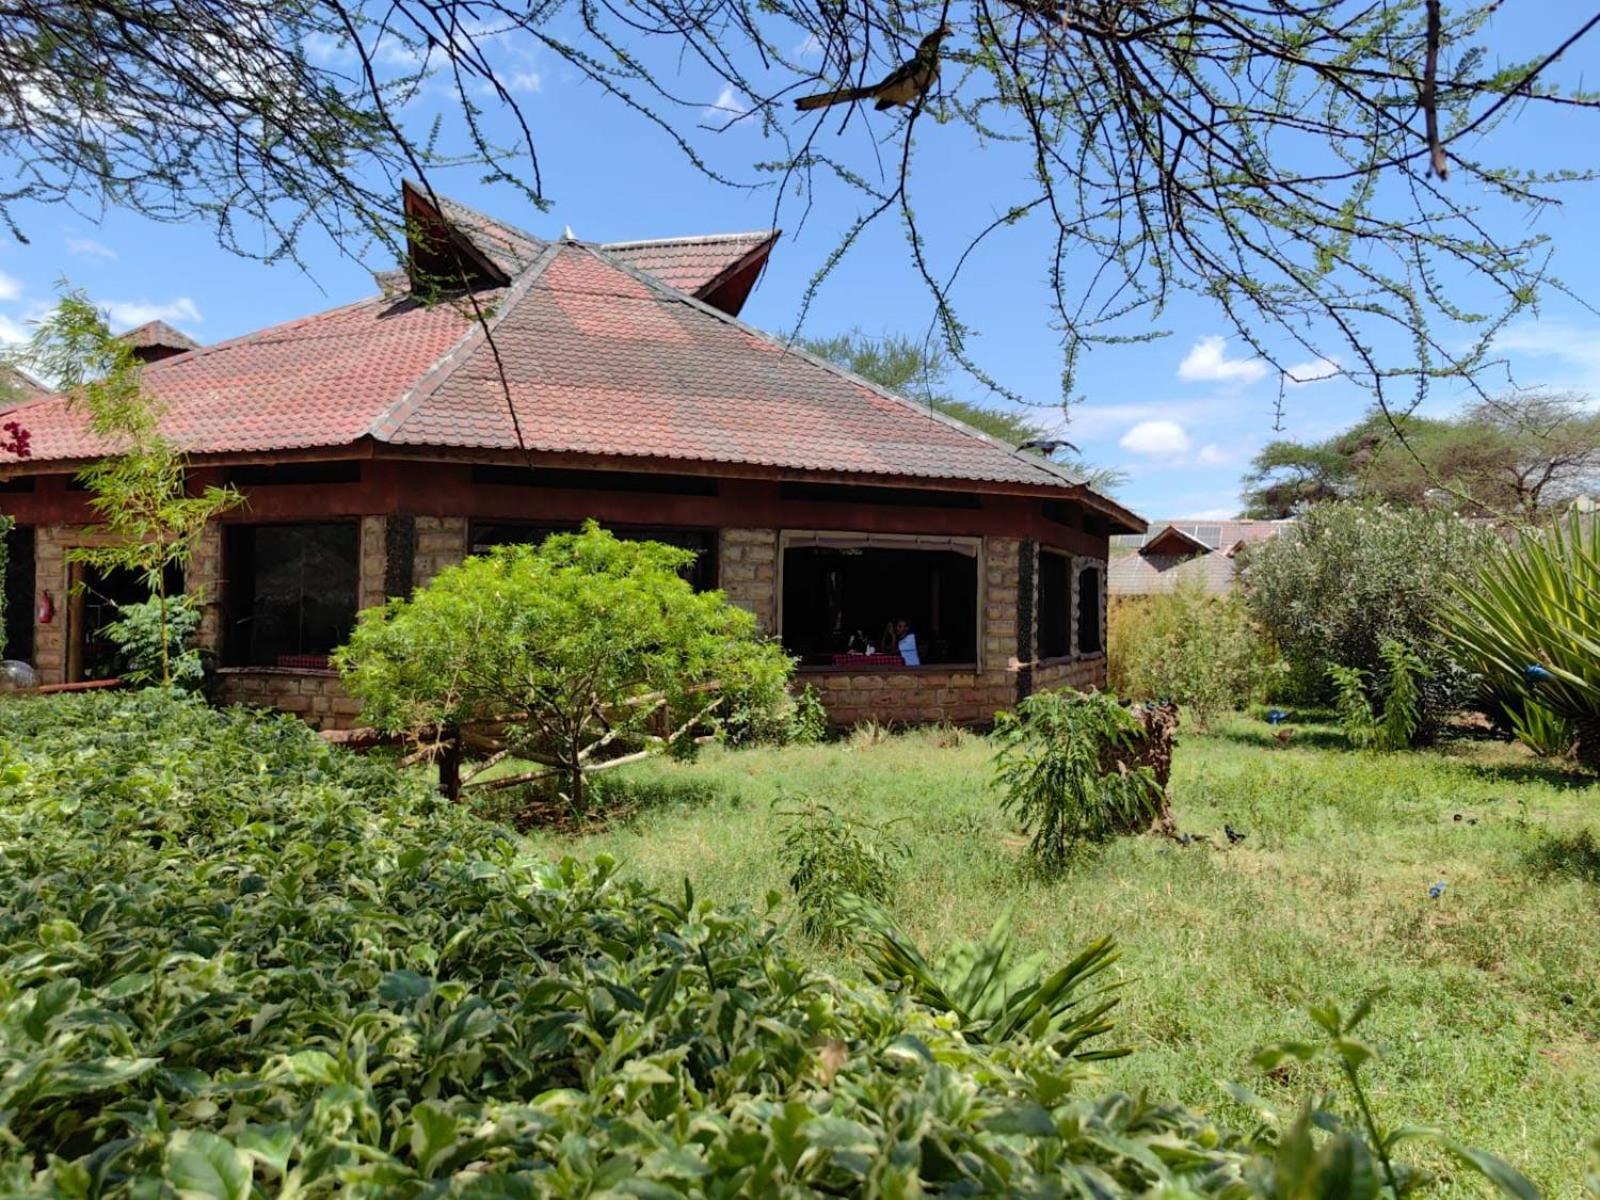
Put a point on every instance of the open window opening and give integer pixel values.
(850, 606)
(701, 574)
(290, 593)
(19, 594)
(95, 599)
(1055, 604)
(1091, 584)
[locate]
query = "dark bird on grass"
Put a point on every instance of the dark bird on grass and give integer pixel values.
(1049, 446)
(905, 85)
(1437, 890)
(1284, 736)
(1234, 836)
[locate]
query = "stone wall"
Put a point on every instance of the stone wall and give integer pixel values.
(50, 544)
(916, 694)
(1077, 673)
(313, 695)
(374, 557)
(441, 543)
(747, 565)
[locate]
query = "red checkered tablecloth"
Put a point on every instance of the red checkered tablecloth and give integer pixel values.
(868, 660)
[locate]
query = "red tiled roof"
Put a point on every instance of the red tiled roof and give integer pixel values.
(317, 381)
(160, 334)
(1143, 565)
(689, 264)
(601, 359)
(18, 387)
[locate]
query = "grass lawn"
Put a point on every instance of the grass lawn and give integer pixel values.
(1491, 1026)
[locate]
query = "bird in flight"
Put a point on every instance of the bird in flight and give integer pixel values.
(905, 85)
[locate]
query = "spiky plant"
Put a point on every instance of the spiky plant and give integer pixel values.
(1528, 620)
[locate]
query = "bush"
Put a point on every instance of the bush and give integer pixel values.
(1345, 578)
(1528, 621)
(1195, 649)
(1397, 693)
(833, 860)
(234, 963)
(138, 634)
(1056, 770)
(577, 655)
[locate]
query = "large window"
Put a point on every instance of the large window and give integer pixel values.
(1090, 581)
(836, 598)
(289, 592)
(19, 598)
(701, 574)
(1055, 604)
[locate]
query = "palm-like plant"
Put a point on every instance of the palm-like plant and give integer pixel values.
(1529, 621)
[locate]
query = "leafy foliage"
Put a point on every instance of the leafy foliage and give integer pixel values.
(996, 996)
(1546, 733)
(1195, 649)
(1528, 620)
(1397, 721)
(582, 653)
(809, 725)
(834, 860)
(138, 491)
(1521, 454)
(235, 962)
(142, 632)
(1345, 578)
(1055, 771)
(6, 525)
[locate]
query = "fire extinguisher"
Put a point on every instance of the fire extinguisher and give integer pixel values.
(47, 608)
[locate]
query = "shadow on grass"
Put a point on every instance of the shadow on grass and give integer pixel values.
(613, 800)
(1575, 855)
(1551, 774)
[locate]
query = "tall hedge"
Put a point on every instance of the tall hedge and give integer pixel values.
(1346, 578)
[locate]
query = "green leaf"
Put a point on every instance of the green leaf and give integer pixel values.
(433, 1136)
(404, 987)
(127, 985)
(1506, 1178)
(203, 1166)
(1030, 1120)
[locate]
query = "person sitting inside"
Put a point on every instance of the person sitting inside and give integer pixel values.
(903, 638)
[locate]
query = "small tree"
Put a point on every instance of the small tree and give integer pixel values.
(1345, 578)
(138, 489)
(578, 655)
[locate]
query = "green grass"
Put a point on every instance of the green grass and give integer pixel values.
(1491, 1027)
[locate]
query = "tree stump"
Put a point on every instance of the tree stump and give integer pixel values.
(1152, 748)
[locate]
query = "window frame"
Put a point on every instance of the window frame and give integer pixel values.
(237, 658)
(1070, 567)
(973, 547)
(1081, 564)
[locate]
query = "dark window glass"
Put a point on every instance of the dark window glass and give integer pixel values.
(1055, 605)
(295, 473)
(596, 481)
(290, 592)
(844, 493)
(104, 594)
(18, 483)
(1089, 583)
(834, 599)
(19, 597)
(701, 574)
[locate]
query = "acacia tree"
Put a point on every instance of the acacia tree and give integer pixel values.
(138, 489)
(579, 655)
(1307, 166)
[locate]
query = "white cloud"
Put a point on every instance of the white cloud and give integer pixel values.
(1567, 354)
(525, 81)
(726, 107)
(1213, 455)
(12, 333)
(10, 288)
(808, 47)
(90, 247)
(1165, 439)
(1091, 420)
(1315, 371)
(1208, 362)
(1226, 513)
(125, 314)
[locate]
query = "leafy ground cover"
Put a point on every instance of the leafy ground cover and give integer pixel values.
(1491, 1023)
(236, 963)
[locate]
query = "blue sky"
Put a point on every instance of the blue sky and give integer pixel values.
(1182, 414)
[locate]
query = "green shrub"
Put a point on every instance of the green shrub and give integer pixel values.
(1398, 694)
(1528, 621)
(1546, 733)
(1345, 578)
(1352, 707)
(577, 655)
(1198, 650)
(1055, 771)
(808, 724)
(141, 633)
(236, 963)
(833, 860)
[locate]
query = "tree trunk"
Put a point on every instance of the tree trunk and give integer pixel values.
(450, 766)
(1588, 747)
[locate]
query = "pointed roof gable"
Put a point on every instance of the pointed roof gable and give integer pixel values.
(1172, 540)
(156, 340)
(719, 268)
(17, 387)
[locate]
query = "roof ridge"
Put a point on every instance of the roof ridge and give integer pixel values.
(688, 239)
(788, 347)
(387, 423)
(434, 196)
